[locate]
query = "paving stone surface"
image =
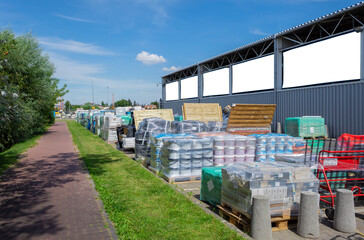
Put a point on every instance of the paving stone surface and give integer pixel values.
(48, 194)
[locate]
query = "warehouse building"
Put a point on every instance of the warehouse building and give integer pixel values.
(313, 69)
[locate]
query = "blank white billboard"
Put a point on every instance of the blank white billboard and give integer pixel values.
(332, 60)
(189, 87)
(172, 91)
(254, 75)
(216, 82)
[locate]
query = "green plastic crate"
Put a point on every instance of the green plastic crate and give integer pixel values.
(211, 182)
(305, 127)
(178, 118)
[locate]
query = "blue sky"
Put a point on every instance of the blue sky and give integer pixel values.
(128, 45)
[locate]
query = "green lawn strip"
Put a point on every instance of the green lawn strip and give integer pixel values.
(9, 157)
(140, 204)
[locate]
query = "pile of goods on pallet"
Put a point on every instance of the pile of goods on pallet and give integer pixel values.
(146, 129)
(282, 183)
(185, 156)
(108, 130)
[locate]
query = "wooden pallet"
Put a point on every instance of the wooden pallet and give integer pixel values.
(182, 179)
(242, 219)
(139, 115)
(153, 170)
(203, 112)
(246, 119)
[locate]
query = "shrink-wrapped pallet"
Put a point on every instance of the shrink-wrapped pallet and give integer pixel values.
(188, 127)
(185, 156)
(146, 129)
(282, 183)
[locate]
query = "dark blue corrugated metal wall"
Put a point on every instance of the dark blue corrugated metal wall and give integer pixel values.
(342, 105)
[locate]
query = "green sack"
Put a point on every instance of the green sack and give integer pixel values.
(211, 185)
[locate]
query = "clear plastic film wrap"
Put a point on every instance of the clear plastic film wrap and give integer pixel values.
(146, 129)
(232, 149)
(185, 156)
(282, 183)
(188, 127)
(112, 122)
(213, 126)
(156, 143)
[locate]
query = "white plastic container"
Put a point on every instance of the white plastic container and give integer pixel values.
(207, 154)
(280, 148)
(271, 140)
(196, 172)
(229, 151)
(270, 149)
(229, 141)
(174, 164)
(206, 143)
(260, 157)
(229, 160)
(250, 150)
(197, 154)
(219, 141)
(185, 155)
(250, 141)
(218, 160)
(207, 162)
(174, 155)
(196, 163)
(249, 158)
(240, 141)
(239, 151)
(185, 164)
(239, 159)
(185, 172)
(271, 157)
(260, 149)
(218, 151)
(261, 141)
(280, 140)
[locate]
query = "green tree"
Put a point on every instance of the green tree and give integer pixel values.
(27, 86)
(87, 106)
(67, 106)
(74, 107)
(103, 104)
(155, 103)
(129, 102)
(134, 104)
(121, 103)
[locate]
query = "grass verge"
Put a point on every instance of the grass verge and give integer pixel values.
(9, 157)
(139, 204)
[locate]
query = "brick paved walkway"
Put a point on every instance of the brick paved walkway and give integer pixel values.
(48, 195)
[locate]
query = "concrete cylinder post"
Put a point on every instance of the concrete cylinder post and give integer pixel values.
(308, 219)
(260, 226)
(344, 218)
(279, 127)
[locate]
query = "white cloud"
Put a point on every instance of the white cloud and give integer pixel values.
(259, 32)
(150, 58)
(79, 76)
(171, 69)
(73, 46)
(74, 18)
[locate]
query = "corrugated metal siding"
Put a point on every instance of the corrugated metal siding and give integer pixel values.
(342, 105)
(176, 106)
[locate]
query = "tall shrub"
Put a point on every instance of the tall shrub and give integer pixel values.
(28, 89)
